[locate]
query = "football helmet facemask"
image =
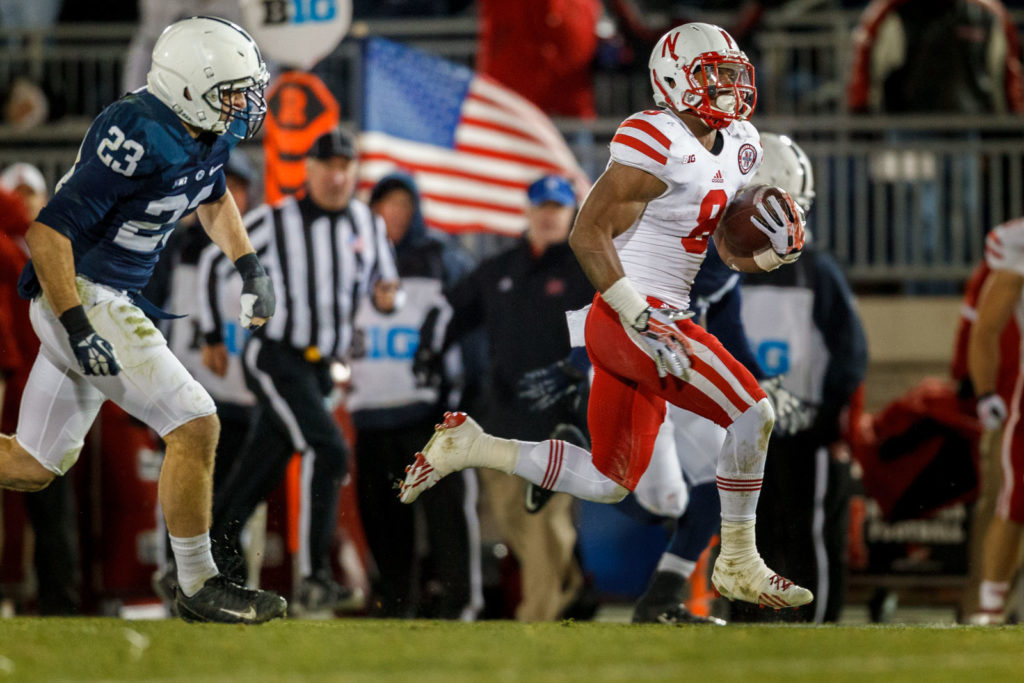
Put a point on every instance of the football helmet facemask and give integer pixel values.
(785, 165)
(699, 67)
(200, 65)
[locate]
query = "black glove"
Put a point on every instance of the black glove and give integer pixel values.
(94, 353)
(545, 387)
(258, 300)
(427, 366)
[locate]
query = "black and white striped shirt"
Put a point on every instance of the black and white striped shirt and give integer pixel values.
(321, 263)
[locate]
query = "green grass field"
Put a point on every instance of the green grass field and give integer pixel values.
(54, 649)
(368, 650)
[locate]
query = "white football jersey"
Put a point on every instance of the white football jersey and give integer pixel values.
(662, 252)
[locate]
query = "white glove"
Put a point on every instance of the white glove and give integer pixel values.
(655, 332)
(783, 222)
(991, 411)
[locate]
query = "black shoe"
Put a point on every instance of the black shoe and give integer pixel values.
(674, 615)
(536, 496)
(165, 585)
(230, 561)
(321, 592)
(221, 601)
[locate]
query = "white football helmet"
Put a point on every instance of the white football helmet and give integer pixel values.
(700, 67)
(786, 166)
(198, 63)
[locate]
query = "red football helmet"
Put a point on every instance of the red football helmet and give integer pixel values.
(699, 67)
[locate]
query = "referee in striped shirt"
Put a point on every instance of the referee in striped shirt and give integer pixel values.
(323, 252)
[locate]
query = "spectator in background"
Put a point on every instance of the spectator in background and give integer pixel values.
(52, 510)
(902, 47)
(390, 9)
(324, 252)
(27, 182)
(802, 322)
(556, 72)
(393, 414)
(520, 297)
(934, 57)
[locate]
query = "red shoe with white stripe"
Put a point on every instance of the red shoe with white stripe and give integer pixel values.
(447, 451)
(754, 582)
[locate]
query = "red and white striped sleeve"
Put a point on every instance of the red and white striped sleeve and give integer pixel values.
(1004, 247)
(643, 141)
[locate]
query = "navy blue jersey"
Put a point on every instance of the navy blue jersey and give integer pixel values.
(138, 171)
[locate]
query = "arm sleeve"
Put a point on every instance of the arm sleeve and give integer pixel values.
(836, 317)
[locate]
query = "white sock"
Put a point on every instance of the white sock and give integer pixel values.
(676, 565)
(195, 562)
(740, 467)
(992, 595)
(561, 466)
(738, 542)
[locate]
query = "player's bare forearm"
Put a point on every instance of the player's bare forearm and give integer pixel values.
(742, 264)
(999, 296)
(224, 225)
(614, 204)
(54, 262)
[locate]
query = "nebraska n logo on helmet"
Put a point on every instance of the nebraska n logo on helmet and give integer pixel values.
(699, 67)
(200, 66)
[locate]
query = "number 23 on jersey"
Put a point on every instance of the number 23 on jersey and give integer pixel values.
(120, 154)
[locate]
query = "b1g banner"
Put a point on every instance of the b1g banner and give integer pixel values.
(297, 33)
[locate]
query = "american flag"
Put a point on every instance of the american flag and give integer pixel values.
(472, 145)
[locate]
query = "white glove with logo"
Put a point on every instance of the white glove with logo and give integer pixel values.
(783, 222)
(652, 329)
(991, 411)
(656, 333)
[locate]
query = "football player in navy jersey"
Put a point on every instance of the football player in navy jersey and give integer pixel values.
(147, 159)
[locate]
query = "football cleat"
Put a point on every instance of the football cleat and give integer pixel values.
(754, 582)
(987, 618)
(672, 615)
(221, 601)
(447, 451)
(320, 592)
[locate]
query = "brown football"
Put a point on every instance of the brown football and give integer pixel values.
(739, 233)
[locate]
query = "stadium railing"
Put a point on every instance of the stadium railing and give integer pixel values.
(899, 199)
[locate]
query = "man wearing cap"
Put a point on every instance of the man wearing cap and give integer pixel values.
(520, 296)
(324, 251)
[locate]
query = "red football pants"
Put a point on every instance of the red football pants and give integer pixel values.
(627, 400)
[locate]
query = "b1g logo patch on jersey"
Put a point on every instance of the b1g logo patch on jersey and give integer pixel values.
(746, 158)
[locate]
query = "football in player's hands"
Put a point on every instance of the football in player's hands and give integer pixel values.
(738, 226)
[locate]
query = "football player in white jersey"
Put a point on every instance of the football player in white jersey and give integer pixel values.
(641, 236)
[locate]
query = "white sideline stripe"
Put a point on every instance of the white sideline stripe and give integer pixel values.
(305, 514)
